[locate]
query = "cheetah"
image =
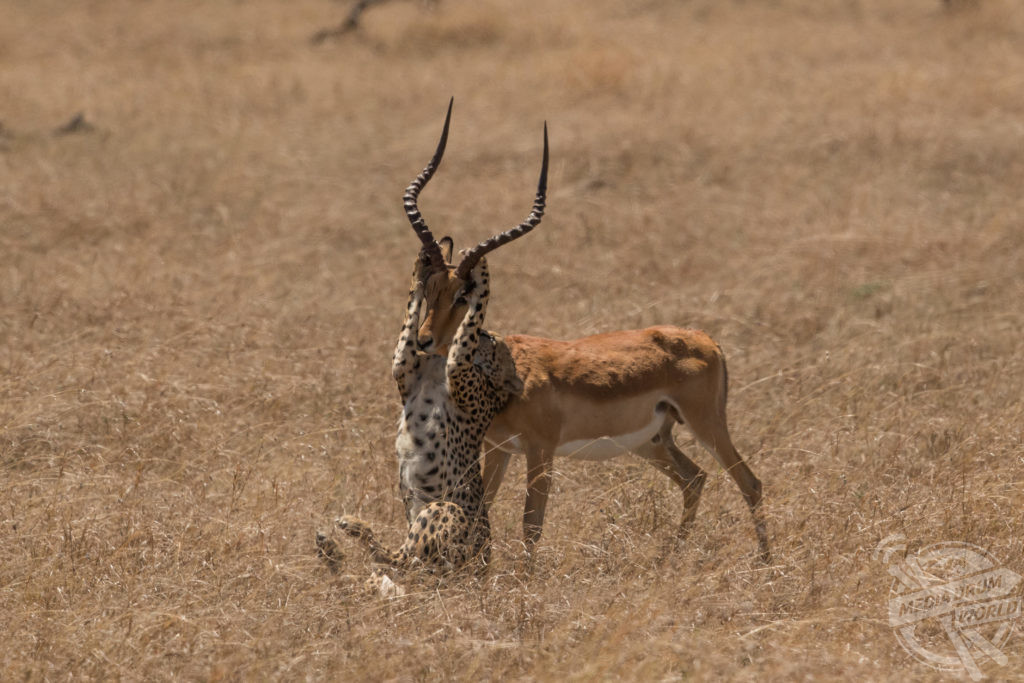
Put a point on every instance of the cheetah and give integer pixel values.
(450, 393)
(448, 403)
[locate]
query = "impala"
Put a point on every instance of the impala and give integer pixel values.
(591, 398)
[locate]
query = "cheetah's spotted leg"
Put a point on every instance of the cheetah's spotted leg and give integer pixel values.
(361, 530)
(466, 340)
(404, 362)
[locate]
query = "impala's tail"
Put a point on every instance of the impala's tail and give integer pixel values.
(724, 394)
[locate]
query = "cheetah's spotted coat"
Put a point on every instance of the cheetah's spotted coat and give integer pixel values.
(448, 404)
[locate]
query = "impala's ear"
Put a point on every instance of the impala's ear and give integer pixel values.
(447, 247)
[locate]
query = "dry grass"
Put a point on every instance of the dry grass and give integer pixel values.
(198, 300)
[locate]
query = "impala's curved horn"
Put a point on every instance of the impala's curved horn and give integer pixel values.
(474, 255)
(413, 192)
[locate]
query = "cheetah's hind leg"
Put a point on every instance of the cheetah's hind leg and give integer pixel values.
(327, 550)
(361, 530)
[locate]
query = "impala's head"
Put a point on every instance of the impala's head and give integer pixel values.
(446, 285)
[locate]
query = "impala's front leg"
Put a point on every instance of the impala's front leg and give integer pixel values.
(495, 463)
(539, 466)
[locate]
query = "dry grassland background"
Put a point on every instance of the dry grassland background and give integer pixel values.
(199, 298)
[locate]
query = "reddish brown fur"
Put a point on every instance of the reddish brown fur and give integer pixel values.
(614, 364)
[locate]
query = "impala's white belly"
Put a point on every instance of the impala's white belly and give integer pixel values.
(605, 447)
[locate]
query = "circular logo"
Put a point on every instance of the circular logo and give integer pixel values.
(951, 605)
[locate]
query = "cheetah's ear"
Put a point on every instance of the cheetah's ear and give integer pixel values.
(501, 373)
(447, 247)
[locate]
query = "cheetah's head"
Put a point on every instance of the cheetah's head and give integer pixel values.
(493, 357)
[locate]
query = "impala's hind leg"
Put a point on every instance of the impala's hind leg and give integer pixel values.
(708, 425)
(662, 452)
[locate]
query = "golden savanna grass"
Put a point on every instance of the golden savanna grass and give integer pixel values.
(199, 297)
